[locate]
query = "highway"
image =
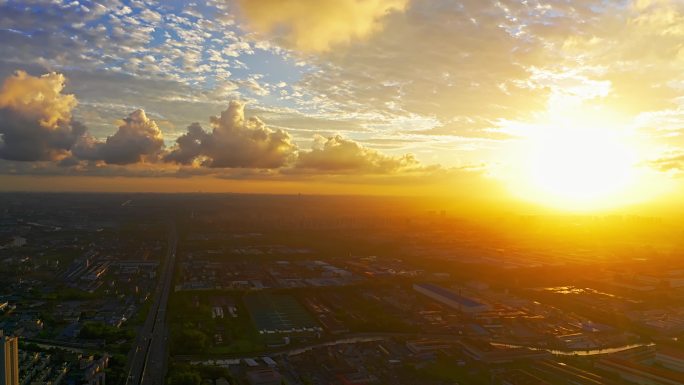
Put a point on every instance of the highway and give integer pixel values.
(147, 362)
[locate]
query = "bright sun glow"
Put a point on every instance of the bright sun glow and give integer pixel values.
(578, 161)
(579, 167)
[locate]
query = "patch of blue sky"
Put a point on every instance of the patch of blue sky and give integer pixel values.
(159, 36)
(274, 67)
(605, 5)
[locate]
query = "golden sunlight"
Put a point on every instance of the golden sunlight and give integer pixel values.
(577, 159)
(579, 167)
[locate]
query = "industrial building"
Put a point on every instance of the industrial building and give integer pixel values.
(450, 298)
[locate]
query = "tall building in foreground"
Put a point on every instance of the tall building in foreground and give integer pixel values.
(9, 357)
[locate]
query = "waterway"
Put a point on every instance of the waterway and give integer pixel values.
(588, 352)
(352, 340)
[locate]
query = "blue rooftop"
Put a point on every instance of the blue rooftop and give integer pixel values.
(464, 301)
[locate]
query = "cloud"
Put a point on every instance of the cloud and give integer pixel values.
(38, 126)
(189, 146)
(339, 155)
(318, 25)
(233, 142)
(442, 60)
(137, 140)
(673, 162)
(635, 46)
(35, 118)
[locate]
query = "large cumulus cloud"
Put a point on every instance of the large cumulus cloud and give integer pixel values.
(233, 142)
(339, 155)
(35, 118)
(317, 25)
(137, 140)
(37, 125)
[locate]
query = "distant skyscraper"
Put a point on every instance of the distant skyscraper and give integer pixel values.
(9, 357)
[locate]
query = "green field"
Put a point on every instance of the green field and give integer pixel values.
(278, 312)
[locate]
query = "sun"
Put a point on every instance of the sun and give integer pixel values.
(581, 158)
(576, 159)
(579, 167)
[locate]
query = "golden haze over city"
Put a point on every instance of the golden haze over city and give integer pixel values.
(335, 192)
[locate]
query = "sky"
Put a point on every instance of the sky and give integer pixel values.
(573, 104)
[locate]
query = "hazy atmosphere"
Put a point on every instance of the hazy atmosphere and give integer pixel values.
(573, 105)
(341, 192)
